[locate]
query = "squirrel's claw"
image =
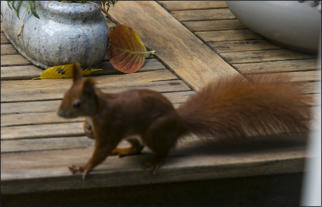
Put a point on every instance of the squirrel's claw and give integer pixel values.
(74, 169)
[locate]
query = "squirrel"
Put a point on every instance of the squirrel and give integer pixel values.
(228, 107)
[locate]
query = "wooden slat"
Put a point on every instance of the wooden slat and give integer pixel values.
(242, 45)
(61, 129)
(46, 171)
(4, 39)
(295, 76)
(29, 107)
(42, 130)
(203, 14)
(28, 72)
(54, 94)
(7, 60)
(176, 46)
(33, 119)
(311, 87)
(20, 72)
(209, 25)
(228, 35)
(185, 5)
(8, 49)
(277, 66)
(52, 89)
(263, 55)
(51, 106)
(27, 145)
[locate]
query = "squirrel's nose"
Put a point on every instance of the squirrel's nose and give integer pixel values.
(61, 113)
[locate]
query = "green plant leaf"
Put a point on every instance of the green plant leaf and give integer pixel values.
(32, 8)
(18, 9)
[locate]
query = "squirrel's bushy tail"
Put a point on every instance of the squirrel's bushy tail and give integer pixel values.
(235, 107)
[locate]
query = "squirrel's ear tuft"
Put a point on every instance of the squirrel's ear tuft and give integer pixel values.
(77, 71)
(88, 87)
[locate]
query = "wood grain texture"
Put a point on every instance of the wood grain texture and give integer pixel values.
(242, 45)
(175, 45)
(24, 72)
(278, 66)
(7, 60)
(228, 35)
(203, 14)
(8, 49)
(52, 105)
(61, 143)
(47, 170)
(4, 39)
(209, 25)
(295, 76)
(55, 94)
(263, 55)
(186, 5)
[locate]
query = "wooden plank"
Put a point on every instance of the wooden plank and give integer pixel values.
(4, 39)
(203, 14)
(209, 25)
(242, 45)
(228, 35)
(181, 44)
(20, 72)
(29, 107)
(263, 55)
(62, 129)
(7, 60)
(8, 120)
(51, 106)
(185, 5)
(295, 76)
(47, 170)
(8, 49)
(311, 87)
(32, 90)
(2, 28)
(61, 143)
(42, 130)
(277, 66)
(57, 93)
(28, 72)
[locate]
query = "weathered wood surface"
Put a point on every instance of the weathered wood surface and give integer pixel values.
(213, 25)
(29, 71)
(185, 5)
(37, 145)
(203, 14)
(46, 170)
(178, 47)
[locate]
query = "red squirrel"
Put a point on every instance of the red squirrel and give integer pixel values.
(229, 107)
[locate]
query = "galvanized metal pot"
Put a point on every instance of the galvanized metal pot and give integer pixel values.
(64, 32)
(291, 23)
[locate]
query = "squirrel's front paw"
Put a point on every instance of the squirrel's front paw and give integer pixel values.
(74, 169)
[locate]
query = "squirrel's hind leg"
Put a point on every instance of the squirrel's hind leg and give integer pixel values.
(135, 148)
(161, 137)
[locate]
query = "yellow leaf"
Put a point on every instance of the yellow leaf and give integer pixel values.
(63, 71)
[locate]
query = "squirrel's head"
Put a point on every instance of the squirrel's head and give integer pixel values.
(81, 98)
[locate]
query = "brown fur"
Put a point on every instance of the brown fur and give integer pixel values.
(229, 107)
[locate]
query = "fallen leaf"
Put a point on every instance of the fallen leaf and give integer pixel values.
(126, 51)
(62, 71)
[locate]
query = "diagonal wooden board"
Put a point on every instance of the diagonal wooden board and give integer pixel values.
(174, 44)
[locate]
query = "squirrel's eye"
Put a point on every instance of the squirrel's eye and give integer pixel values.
(76, 104)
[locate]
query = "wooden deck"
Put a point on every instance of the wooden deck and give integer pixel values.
(194, 42)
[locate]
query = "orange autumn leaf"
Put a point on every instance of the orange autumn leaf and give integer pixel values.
(126, 51)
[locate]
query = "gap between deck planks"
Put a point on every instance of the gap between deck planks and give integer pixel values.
(175, 45)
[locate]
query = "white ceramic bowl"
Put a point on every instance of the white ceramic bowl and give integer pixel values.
(294, 24)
